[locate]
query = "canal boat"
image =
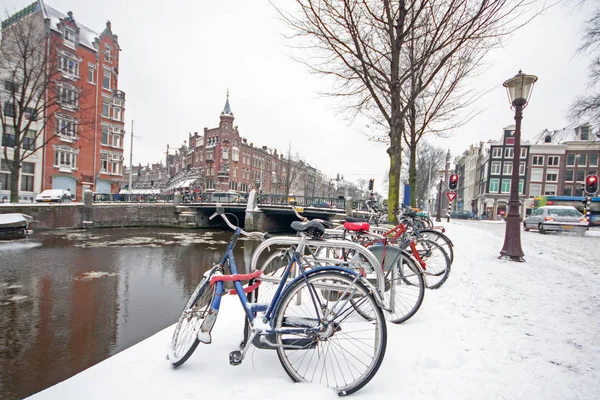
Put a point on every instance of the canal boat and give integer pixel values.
(14, 226)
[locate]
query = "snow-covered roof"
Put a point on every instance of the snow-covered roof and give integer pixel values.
(87, 37)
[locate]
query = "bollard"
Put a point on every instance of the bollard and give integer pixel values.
(349, 204)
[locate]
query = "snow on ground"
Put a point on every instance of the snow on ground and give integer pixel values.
(495, 330)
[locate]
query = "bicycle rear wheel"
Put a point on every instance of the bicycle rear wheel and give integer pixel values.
(440, 239)
(347, 350)
(437, 269)
(185, 338)
(404, 283)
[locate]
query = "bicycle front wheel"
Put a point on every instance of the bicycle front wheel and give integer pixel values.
(185, 338)
(347, 349)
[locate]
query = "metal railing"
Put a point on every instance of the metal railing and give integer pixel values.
(132, 198)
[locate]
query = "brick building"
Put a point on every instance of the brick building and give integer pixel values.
(85, 127)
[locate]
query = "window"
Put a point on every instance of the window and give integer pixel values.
(523, 152)
(548, 139)
(594, 160)
(68, 64)
(505, 186)
(552, 175)
(65, 157)
(584, 133)
(107, 53)
(494, 185)
(521, 168)
(91, 73)
(581, 160)
(570, 160)
(106, 108)
(535, 190)
(496, 152)
(592, 172)
(10, 86)
(234, 172)
(29, 140)
(66, 126)
(8, 137)
(495, 168)
(106, 79)
(521, 185)
(508, 167)
(104, 139)
(69, 37)
(225, 153)
(68, 96)
(569, 175)
(27, 174)
(553, 160)
(580, 175)
(9, 110)
(510, 140)
(235, 154)
(30, 113)
(509, 152)
(537, 160)
(568, 191)
(550, 190)
(210, 184)
(537, 174)
(104, 162)
(578, 192)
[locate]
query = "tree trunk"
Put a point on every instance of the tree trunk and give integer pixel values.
(14, 177)
(412, 173)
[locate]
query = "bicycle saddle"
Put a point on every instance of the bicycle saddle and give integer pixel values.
(314, 229)
(357, 226)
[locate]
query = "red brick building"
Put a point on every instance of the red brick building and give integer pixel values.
(87, 150)
(84, 107)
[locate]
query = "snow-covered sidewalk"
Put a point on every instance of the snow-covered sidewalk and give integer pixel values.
(495, 330)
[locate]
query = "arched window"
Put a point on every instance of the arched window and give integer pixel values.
(548, 139)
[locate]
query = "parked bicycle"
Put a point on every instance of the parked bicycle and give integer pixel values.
(312, 322)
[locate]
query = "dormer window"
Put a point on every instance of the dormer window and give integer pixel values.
(548, 139)
(584, 134)
(69, 37)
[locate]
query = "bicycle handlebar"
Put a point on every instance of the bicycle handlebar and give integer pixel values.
(253, 235)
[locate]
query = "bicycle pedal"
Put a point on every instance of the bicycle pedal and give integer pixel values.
(235, 357)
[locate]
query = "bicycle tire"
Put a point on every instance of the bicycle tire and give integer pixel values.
(440, 239)
(185, 338)
(404, 283)
(331, 290)
(437, 262)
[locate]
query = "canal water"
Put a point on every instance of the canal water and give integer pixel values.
(70, 299)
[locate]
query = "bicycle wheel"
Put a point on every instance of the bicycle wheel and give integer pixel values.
(440, 239)
(437, 267)
(348, 349)
(185, 338)
(404, 283)
(273, 269)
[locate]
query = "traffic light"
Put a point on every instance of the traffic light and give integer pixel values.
(371, 184)
(591, 184)
(453, 182)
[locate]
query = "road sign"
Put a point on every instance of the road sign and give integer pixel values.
(451, 195)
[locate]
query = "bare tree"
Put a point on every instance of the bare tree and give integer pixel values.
(588, 107)
(287, 174)
(429, 161)
(363, 45)
(32, 93)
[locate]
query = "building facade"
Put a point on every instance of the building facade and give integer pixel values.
(84, 132)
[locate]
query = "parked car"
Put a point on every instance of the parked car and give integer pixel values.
(556, 218)
(54, 196)
(461, 214)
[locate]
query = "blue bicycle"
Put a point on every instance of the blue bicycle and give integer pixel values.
(326, 324)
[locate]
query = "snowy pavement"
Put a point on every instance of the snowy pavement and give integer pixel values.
(495, 330)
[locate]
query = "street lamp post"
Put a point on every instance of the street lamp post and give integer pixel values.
(519, 89)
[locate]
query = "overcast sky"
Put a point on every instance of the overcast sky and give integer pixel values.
(179, 58)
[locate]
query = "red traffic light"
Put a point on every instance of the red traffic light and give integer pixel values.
(453, 181)
(591, 184)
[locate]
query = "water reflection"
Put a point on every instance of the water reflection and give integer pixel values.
(69, 300)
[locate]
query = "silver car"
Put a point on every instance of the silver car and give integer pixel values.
(556, 218)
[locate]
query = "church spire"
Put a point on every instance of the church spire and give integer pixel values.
(227, 109)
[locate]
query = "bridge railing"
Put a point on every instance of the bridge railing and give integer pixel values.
(304, 201)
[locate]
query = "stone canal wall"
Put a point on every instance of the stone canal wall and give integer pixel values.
(77, 216)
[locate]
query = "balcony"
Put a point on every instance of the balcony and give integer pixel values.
(223, 174)
(119, 94)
